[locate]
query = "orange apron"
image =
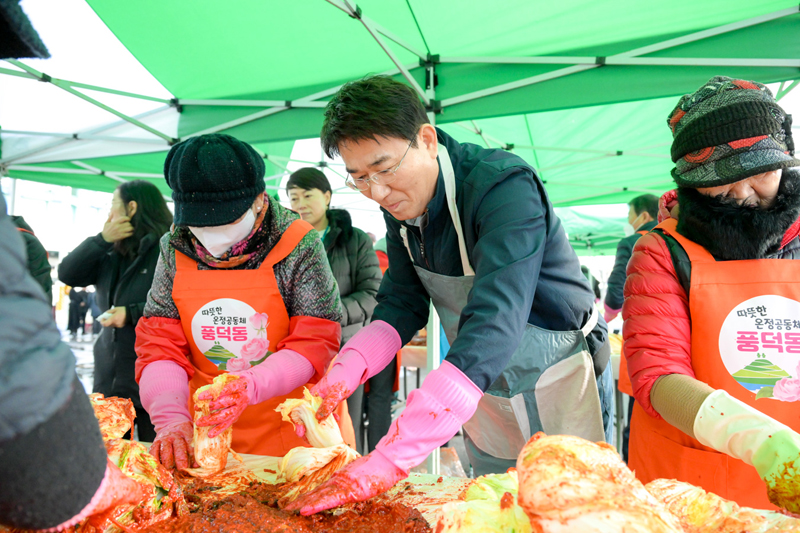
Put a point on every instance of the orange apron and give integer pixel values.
(745, 337)
(228, 313)
(624, 381)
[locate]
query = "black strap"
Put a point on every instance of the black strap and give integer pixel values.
(680, 260)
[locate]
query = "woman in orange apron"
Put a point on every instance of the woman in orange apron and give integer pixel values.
(242, 286)
(712, 308)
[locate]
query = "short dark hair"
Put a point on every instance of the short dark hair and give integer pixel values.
(645, 202)
(370, 107)
(152, 215)
(309, 178)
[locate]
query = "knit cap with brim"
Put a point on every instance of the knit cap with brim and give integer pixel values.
(214, 179)
(729, 130)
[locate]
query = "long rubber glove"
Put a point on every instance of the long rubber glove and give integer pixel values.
(280, 374)
(433, 414)
(115, 489)
(733, 427)
(367, 353)
(164, 391)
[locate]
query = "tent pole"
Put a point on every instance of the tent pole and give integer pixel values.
(98, 171)
(432, 344)
(638, 61)
(516, 84)
(251, 103)
(266, 112)
(58, 81)
(374, 30)
(356, 14)
(712, 32)
(123, 116)
(79, 137)
(13, 201)
(104, 127)
(784, 91)
(58, 170)
(692, 37)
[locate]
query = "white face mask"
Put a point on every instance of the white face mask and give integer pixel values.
(219, 239)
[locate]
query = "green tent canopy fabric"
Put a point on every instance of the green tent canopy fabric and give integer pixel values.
(580, 90)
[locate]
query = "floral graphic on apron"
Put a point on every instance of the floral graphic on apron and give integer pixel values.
(231, 334)
(759, 343)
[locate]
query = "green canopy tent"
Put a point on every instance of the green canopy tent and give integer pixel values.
(581, 90)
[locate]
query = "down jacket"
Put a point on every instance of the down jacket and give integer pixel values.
(657, 331)
(355, 267)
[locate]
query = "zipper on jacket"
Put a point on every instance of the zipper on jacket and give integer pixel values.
(423, 224)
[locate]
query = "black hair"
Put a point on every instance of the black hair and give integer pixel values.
(645, 202)
(152, 217)
(370, 107)
(309, 178)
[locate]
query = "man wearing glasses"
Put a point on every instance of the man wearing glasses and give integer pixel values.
(472, 231)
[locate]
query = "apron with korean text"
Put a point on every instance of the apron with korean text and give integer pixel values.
(234, 319)
(745, 340)
(548, 385)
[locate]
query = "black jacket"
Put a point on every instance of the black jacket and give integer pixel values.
(526, 272)
(616, 280)
(355, 267)
(38, 264)
(119, 281)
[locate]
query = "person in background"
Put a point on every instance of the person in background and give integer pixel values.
(53, 464)
(38, 262)
(472, 231)
(120, 262)
(76, 314)
(711, 304)
(642, 214)
(380, 251)
(592, 282)
(95, 311)
(353, 262)
(242, 286)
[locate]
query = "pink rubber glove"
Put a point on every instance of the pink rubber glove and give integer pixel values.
(172, 446)
(278, 375)
(115, 489)
(366, 354)
(433, 414)
(610, 314)
(164, 391)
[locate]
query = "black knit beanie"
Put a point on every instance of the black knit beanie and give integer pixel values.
(214, 179)
(729, 130)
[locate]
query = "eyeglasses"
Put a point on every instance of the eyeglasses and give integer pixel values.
(382, 177)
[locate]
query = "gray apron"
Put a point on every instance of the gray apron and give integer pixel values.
(548, 385)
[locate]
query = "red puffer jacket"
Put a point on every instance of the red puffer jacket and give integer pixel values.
(657, 330)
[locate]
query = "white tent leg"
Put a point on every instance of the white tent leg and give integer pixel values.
(13, 197)
(434, 355)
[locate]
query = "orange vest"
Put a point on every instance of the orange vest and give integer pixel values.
(226, 312)
(624, 381)
(745, 337)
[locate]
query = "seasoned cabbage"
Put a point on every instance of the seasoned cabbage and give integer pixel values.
(211, 454)
(320, 434)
